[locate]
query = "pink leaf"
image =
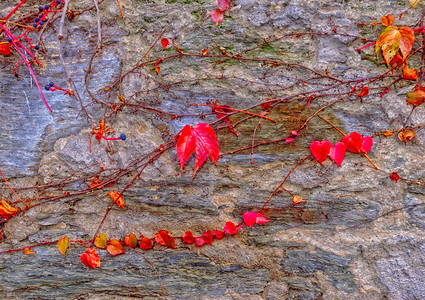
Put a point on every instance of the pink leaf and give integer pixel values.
(199, 241)
(367, 144)
(216, 16)
(223, 5)
(260, 219)
(289, 140)
(218, 234)
(353, 142)
(230, 228)
(337, 153)
(320, 150)
(249, 218)
(294, 132)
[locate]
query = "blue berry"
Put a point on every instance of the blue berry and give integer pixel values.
(9, 40)
(46, 7)
(47, 87)
(41, 17)
(37, 47)
(36, 19)
(40, 8)
(123, 137)
(41, 23)
(17, 75)
(34, 25)
(51, 84)
(58, 2)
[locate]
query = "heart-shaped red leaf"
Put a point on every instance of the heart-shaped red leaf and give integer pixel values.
(367, 144)
(90, 258)
(208, 237)
(218, 234)
(164, 43)
(230, 228)
(249, 218)
(163, 238)
(131, 240)
(199, 241)
(260, 219)
(320, 150)
(337, 153)
(188, 237)
(354, 142)
(145, 243)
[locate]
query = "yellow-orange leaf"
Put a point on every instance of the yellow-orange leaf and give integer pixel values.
(386, 133)
(96, 182)
(157, 69)
(28, 250)
(416, 98)
(409, 74)
(6, 210)
(63, 245)
(115, 247)
(101, 241)
(387, 20)
(131, 240)
(117, 199)
(393, 39)
(414, 3)
(297, 199)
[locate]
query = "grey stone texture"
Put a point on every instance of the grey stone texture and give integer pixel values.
(336, 246)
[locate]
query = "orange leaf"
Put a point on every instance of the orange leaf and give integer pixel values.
(406, 135)
(101, 241)
(409, 74)
(5, 49)
(115, 247)
(364, 92)
(90, 258)
(28, 250)
(297, 199)
(204, 52)
(163, 238)
(95, 182)
(63, 245)
(157, 69)
(117, 198)
(386, 133)
(131, 240)
(387, 20)
(393, 39)
(416, 98)
(374, 23)
(6, 210)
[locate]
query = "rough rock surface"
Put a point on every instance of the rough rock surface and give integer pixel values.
(330, 247)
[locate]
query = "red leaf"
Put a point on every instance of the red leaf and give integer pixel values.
(202, 139)
(354, 142)
(249, 218)
(221, 111)
(230, 228)
(364, 92)
(131, 240)
(157, 69)
(260, 219)
(90, 258)
(218, 234)
(199, 241)
(163, 238)
(145, 243)
(115, 247)
(409, 74)
(394, 176)
(188, 237)
(266, 105)
(164, 43)
(5, 49)
(216, 16)
(367, 144)
(337, 153)
(223, 5)
(208, 237)
(320, 150)
(185, 145)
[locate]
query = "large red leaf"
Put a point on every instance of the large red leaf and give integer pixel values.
(5, 49)
(208, 237)
(163, 238)
(90, 258)
(337, 153)
(249, 218)
(188, 237)
(320, 150)
(145, 243)
(200, 139)
(230, 228)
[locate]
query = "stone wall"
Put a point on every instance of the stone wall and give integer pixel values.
(323, 249)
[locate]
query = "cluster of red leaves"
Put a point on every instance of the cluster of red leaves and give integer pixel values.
(200, 139)
(115, 247)
(354, 143)
(217, 14)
